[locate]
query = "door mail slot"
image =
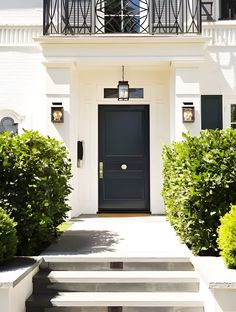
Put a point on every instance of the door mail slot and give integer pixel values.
(80, 153)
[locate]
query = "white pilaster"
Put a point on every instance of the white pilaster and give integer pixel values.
(59, 89)
(184, 88)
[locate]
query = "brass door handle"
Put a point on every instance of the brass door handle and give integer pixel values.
(123, 167)
(100, 170)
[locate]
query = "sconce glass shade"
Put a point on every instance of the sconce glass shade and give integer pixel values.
(188, 114)
(123, 91)
(57, 114)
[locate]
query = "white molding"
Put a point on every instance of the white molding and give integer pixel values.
(222, 33)
(122, 38)
(19, 35)
(59, 63)
(11, 113)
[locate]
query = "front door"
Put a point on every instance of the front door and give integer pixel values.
(124, 158)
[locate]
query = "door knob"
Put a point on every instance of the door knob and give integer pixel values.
(123, 167)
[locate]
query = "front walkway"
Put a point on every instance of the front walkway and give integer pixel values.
(143, 239)
(92, 236)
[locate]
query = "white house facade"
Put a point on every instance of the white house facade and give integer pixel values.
(62, 60)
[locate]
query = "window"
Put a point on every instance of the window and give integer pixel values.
(8, 124)
(206, 10)
(233, 116)
(134, 93)
(228, 9)
(121, 16)
(78, 16)
(168, 16)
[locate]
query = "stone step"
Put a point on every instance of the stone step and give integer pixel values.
(120, 276)
(162, 257)
(116, 281)
(122, 309)
(71, 301)
(161, 265)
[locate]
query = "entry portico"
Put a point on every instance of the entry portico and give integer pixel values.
(80, 68)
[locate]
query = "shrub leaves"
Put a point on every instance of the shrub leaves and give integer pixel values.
(199, 186)
(34, 187)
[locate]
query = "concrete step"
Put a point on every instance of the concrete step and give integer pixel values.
(161, 264)
(116, 281)
(122, 309)
(120, 276)
(131, 301)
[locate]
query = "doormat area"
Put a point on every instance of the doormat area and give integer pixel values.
(122, 215)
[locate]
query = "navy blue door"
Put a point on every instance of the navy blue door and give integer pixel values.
(124, 158)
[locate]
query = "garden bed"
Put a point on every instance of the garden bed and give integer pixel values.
(16, 282)
(218, 284)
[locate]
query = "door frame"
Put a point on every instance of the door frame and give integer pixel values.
(148, 208)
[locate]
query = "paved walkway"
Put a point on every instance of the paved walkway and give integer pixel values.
(147, 236)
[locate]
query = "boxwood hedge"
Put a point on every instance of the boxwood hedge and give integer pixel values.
(34, 172)
(8, 238)
(227, 238)
(199, 186)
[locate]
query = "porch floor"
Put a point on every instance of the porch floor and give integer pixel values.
(91, 236)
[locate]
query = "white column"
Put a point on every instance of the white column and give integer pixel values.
(184, 88)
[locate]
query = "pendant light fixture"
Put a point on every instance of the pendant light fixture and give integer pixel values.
(123, 88)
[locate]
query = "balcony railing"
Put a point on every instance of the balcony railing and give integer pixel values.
(77, 17)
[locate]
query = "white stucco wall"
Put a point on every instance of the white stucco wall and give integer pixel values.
(15, 12)
(22, 85)
(16, 4)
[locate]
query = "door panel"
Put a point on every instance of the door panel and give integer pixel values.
(125, 129)
(124, 152)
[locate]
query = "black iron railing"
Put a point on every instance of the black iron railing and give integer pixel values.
(73, 17)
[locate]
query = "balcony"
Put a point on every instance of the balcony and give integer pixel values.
(153, 17)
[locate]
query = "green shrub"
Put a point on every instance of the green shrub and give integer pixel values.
(8, 239)
(227, 238)
(34, 187)
(199, 186)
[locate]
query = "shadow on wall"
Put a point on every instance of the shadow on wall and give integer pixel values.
(17, 4)
(224, 75)
(83, 243)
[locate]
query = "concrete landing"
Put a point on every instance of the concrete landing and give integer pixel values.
(117, 238)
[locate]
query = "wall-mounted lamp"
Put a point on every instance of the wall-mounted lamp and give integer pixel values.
(123, 88)
(57, 114)
(188, 113)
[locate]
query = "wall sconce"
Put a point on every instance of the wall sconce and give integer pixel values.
(188, 114)
(123, 88)
(57, 114)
